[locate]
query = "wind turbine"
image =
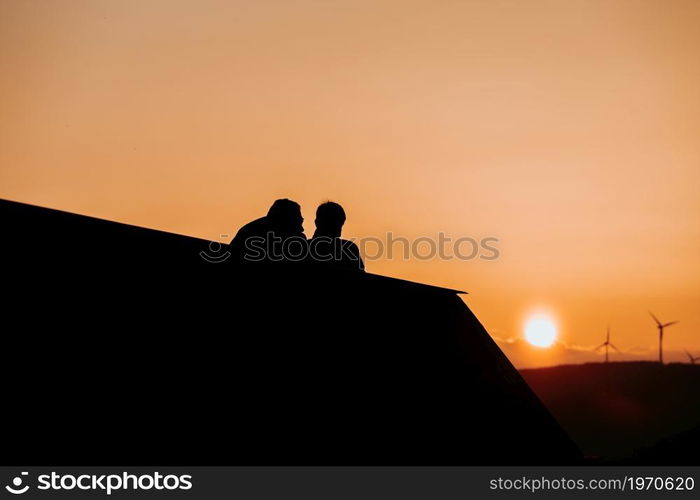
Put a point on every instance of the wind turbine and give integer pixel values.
(661, 327)
(607, 344)
(692, 358)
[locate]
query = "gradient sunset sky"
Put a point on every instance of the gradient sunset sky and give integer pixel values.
(570, 130)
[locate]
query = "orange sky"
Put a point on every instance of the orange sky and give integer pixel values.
(569, 130)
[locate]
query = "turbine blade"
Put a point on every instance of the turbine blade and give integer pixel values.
(655, 318)
(618, 350)
(669, 324)
(600, 346)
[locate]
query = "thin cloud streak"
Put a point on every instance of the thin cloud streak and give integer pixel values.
(524, 355)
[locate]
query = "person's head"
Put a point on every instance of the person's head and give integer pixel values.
(330, 218)
(285, 217)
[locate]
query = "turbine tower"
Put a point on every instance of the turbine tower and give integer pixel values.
(692, 358)
(661, 327)
(607, 344)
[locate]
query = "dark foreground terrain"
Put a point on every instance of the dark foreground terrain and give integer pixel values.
(635, 412)
(123, 345)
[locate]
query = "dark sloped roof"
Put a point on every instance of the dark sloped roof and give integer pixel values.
(132, 337)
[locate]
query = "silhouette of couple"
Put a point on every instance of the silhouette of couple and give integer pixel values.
(279, 237)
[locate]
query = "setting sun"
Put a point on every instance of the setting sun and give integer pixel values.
(540, 331)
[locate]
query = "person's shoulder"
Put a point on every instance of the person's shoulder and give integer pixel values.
(260, 222)
(349, 244)
(257, 227)
(254, 226)
(351, 254)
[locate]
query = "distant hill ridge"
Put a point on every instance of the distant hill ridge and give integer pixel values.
(638, 411)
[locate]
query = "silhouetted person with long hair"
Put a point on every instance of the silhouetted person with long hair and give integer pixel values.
(327, 247)
(269, 238)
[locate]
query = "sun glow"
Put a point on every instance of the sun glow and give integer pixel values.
(540, 331)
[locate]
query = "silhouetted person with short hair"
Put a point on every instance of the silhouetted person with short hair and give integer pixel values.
(326, 246)
(269, 238)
